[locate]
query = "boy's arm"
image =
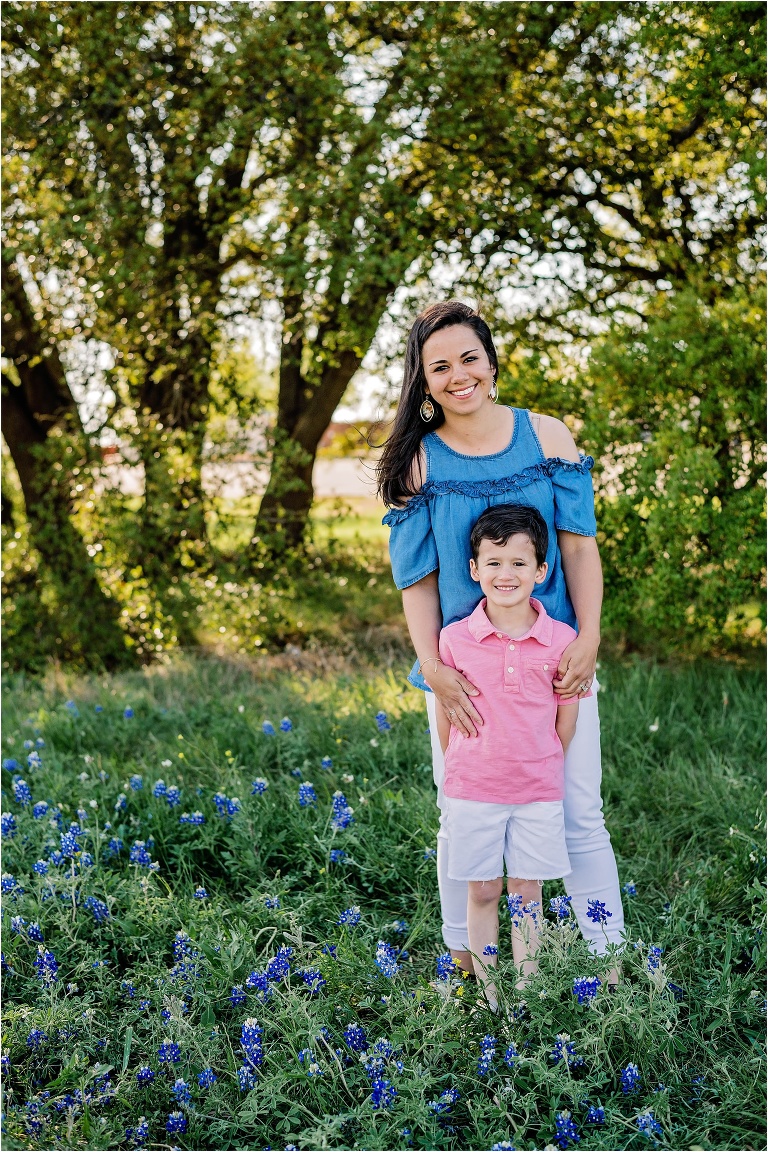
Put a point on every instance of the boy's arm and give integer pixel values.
(565, 722)
(443, 728)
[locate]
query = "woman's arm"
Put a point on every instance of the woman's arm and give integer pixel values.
(583, 575)
(421, 605)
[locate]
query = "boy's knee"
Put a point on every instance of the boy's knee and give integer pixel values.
(486, 891)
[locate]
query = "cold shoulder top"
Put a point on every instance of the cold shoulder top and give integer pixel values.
(431, 531)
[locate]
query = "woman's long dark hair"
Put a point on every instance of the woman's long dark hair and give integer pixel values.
(395, 467)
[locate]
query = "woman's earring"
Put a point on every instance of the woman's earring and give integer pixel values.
(427, 410)
(493, 391)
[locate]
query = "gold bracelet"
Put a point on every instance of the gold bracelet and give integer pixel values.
(430, 660)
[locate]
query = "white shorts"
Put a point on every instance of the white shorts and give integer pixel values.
(529, 838)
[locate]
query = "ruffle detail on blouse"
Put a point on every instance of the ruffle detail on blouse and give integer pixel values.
(549, 467)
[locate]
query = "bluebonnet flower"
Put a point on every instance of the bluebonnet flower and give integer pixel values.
(82, 815)
(511, 1054)
(56, 858)
(355, 1038)
(121, 803)
(446, 966)
(285, 725)
(139, 854)
(445, 1101)
(113, 848)
(159, 789)
(386, 959)
(307, 795)
(259, 786)
(297, 773)
(40, 809)
(35, 932)
(144, 1075)
(17, 924)
(430, 853)
(490, 950)
(103, 776)
(597, 912)
(5, 1064)
(341, 813)
(136, 783)
(383, 1094)
(34, 760)
(72, 707)
(648, 1124)
(181, 1091)
(40, 742)
(22, 793)
(10, 764)
(561, 906)
(144, 1005)
(585, 988)
(237, 996)
(280, 965)
(326, 763)
(503, 1146)
(36, 1038)
(98, 908)
(382, 723)
(630, 1078)
(127, 989)
(272, 902)
(565, 1050)
(350, 916)
(654, 957)
(192, 818)
(595, 1115)
(98, 708)
(7, 883)
(630, 888)
(69, 844)
(206, 1078)
(173, 796)
(46, 966)
(516, 909)
(258, 982)
(40, 867)
(169, 1052)
(307, 1057)
(565, 1129)
(139, 1135)
(246, 1078)
(400, 927)
(329, 950)
(86, 860)
(7, 825)
(250, 1042)
(313, 978)
(487, 1055)
(267, 728)
(200, 893)
(176, 1122)
(29, 743)
(337, 855)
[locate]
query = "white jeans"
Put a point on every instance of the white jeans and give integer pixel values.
(593, 865)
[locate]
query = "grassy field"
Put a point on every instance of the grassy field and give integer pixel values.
(158, 1006)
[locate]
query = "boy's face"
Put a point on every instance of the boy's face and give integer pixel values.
(507, 573)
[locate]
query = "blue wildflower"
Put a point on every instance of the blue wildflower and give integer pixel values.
(382, 723)
(307, 1057)
(144, 1075)
(267, 728)
(40, 867)
(446, 966)
(630, 1078)
(139, 854)
(487, 1055)
(326, 763)
(113, 848)
(259, 786)
(206, 1078)
(200, 893)
(503, 1146)
(181, 1091)
(7, 825)
(250, 1042)
(654, 957)
(159, 789)
(144, 1005)
(350, 917)
(585, 988)
(313, 978)
(297, 772)
(10, 764)
(561, 906)
(136, 783)
(383, 1094)
(98, 908)
(69, 844)
(139, 1135)
(595, 1115)
(34, 760)
(246, 1078)
(22, 793)
(280, 966)
(35, 932)
(630, 888)
(516, 909)
(46, 966)
(86, 860)
(17, 924)
(285, 725)
(337, 855)
(40, 809)
(445, 1101)
(400, 927)
(36, 1038)
(565, 1050)
(307, 795)
(169, 1052)
(510, 1055)
(196, 818)
(341, 813)
(386, 959)
(237, 996)
(355, 1037)
(258, 982)
(128, 712)
(648, 1124)
(597, 912)
(72, 707)
(98, 708)
(490, 950)
(121, 803)
(272, 902)
(176, 1122)
(173, 796)
(565, 1130)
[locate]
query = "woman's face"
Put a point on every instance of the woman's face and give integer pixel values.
(457, 370)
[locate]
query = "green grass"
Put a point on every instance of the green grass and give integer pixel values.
(683, 804)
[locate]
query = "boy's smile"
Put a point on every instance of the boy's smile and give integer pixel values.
(507, 573)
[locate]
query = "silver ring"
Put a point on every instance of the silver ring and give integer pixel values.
(451, 711)
(585, 685)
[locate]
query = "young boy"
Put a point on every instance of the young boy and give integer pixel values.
(504, 788)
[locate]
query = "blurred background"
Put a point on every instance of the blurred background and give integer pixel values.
(219, 223)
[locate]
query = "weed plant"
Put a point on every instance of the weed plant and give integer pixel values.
(221, 923)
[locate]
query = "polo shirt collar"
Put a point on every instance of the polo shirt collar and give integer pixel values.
(480, 626)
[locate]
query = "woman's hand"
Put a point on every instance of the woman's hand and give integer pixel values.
(452, 691)
(577, 666)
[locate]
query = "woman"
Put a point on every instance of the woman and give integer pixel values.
(436, 484)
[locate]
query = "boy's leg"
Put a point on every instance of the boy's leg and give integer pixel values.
(525, 931)
(483, 926)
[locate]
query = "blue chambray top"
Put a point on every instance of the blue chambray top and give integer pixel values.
(431, 532)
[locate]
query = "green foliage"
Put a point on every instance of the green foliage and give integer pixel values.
(690, 843)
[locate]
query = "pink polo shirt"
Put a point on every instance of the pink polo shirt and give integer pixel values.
(517, 757)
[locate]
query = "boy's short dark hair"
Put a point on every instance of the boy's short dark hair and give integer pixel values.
(501, 521)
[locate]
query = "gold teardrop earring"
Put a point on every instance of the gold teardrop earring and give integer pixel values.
(427, 410)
